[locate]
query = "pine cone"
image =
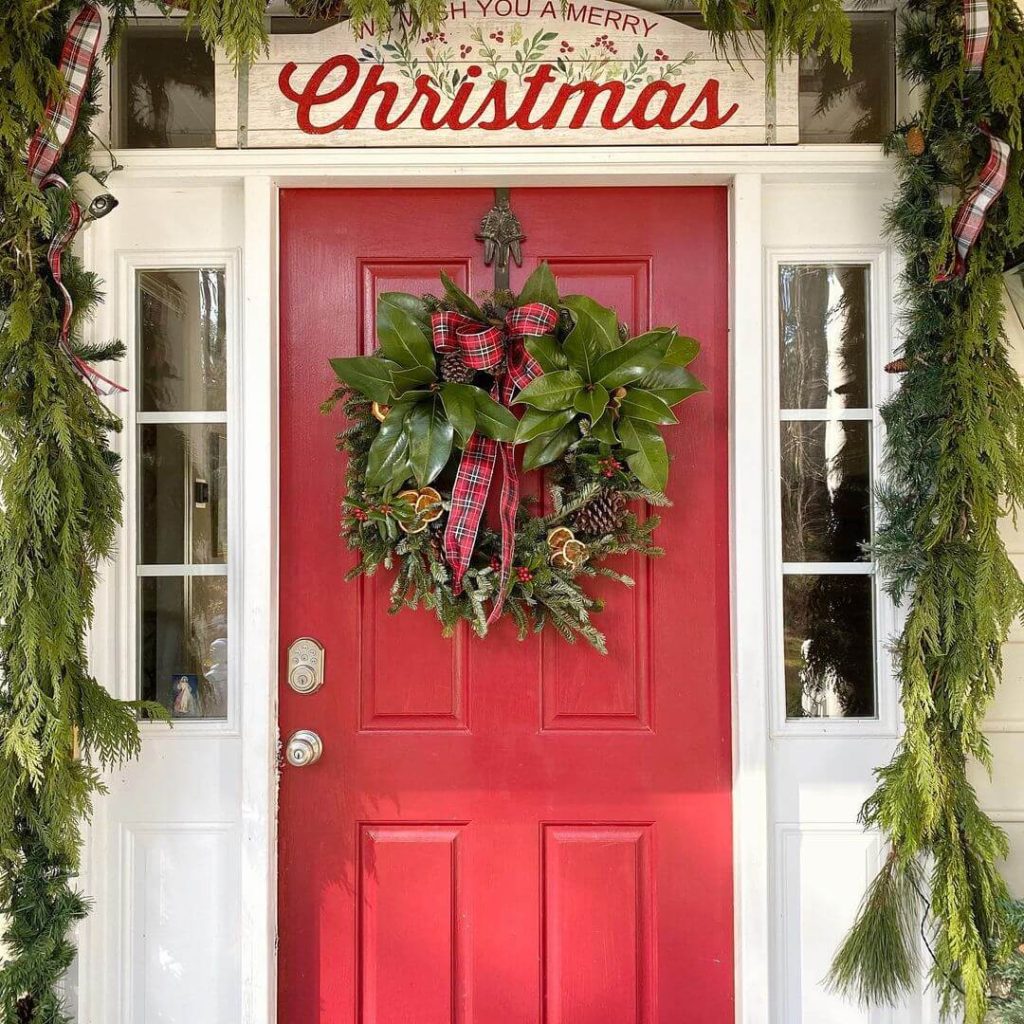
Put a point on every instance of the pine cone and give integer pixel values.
(455, 370)
(601, 515)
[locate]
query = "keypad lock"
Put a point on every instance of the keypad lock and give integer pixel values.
(305, 665)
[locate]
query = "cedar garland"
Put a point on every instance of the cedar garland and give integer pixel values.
(954, 459)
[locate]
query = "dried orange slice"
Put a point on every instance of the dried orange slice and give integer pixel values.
(410, 496)
(428, 505)
(558, 536)
(559, 561)
(429, 492)
(574, 550)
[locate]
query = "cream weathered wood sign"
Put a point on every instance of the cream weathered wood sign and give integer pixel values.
(505, 72)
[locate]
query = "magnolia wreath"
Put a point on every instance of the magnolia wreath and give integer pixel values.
(432, 416)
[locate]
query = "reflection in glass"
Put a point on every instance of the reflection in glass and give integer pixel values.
(825, 490)
(828, 628)
(183, 645)
(166, 95)
(859, 106)
(823, 336)
(182, 340)
(183, 493)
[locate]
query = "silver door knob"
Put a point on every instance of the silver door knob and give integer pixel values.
(304, 748)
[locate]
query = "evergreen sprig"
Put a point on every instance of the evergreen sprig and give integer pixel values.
(954, 465)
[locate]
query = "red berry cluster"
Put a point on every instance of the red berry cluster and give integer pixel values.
(496, 564)
(565, 47)
(660, 54)
(605, 43)
(609, 466)
(385, 509)
(361, 515)
(498, 37)
(465, 49)
(524, 574)
(432, 37)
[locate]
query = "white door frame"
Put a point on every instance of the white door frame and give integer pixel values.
(259, 175)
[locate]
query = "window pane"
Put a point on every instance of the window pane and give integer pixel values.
(166, 88)
(823, 336)
(858, 107)
(183, 493)
(184, 644)
(828, 624)
(182, 340)
(826, 472)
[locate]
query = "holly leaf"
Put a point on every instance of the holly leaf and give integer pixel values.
(670, 382)
(461, 299)
(648, 457)
(603, 429)
(410, 380)
(552, 391)
(591, 401)
(536, 422)
(540, 287)
(412, 305)
(430, 441)
(389, 450)
(401, 338)
(647, 406)
(683, 350)
(547, 352)
(596, 331)
(368, 375)
(493, 419)
(632, 360)
(542, 451)
(460, 406)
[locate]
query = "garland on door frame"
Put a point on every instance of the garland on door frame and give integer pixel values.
(954, 461)
(953, 454)
(432, 419)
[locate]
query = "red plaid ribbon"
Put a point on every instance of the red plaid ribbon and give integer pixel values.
(76, 61)
(499, 349)
(970, 217)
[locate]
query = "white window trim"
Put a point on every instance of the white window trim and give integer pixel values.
(880, 299)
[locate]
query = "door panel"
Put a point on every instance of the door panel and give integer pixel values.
(502, 832)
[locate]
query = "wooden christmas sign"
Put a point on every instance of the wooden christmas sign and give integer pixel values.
(506, 72)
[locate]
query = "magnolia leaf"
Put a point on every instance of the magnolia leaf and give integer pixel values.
(460, 407)
(645, 405)
(412, 305)
(540, 287)
(603, 429)
(683, 350)
(648, 457)
(632, 360)
(461, 299)
(368, 375)
(411, 379)
(670, 382)
(536, 422)
(592, 401)
(389, 450)
(545, 449)
(493, 419)
(430, 441)
(552, 391)
(596, 331)
(547, 352)
(401, 338)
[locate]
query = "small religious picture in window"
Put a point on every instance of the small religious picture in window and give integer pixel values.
(185, 696)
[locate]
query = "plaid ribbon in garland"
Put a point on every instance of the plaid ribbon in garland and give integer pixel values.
(76, 60)
(970, 217)
(498, 349)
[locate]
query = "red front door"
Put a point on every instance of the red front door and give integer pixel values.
(502, 832)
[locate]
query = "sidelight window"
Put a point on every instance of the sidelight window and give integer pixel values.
(825, 457)
(182, 490)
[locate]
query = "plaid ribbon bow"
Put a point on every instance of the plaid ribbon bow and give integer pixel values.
(970, 217)
(498, 349)
(45, 149)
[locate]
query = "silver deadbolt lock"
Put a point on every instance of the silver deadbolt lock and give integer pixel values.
(305, 665)
(304, 748)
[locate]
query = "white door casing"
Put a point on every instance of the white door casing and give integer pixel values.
(181, 853)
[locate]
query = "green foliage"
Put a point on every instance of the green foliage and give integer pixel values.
(954, 462)
(1007, 977)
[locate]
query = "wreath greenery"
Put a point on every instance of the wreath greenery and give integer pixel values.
(593, 414)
